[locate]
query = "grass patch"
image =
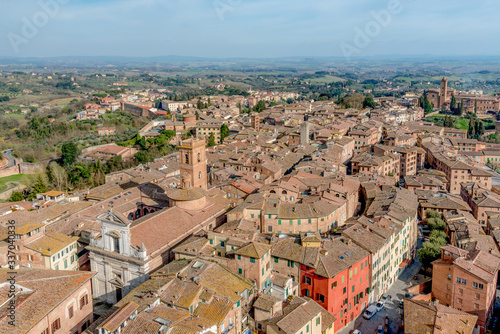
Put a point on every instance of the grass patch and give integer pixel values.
(21, 116)
(11, 178)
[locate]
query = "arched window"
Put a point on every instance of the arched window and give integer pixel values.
(199, 175)
(131, 216)
(273, 192)
(199, 157)
(186, 158)
(146, 211)
(284, 192)
(137, 214)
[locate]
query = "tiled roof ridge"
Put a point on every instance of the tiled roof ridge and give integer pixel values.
(56, 277)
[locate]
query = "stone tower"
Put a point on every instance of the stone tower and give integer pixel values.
(255, 118)
(443, 92)
(193, 162)
(304, 133)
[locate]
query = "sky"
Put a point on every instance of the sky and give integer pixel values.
(248, 28)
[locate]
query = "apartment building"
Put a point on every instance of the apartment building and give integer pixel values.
(466, 280)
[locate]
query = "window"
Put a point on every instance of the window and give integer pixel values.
(307, 280)
(477, 285)
(307, 292)
(449, 277)
(458, 280)
(320, 297)
(290, 264)
(262, 271)
(276, 260)
(252, 260)
(460, 291)
(353, 288)
(477, 296)
(334, 284)
(460, 300)
(464, 281)
(212, 242)
(84, 300)
(240, 271)
(476, 306)
(307, 329)
(65, 264)
(279, 221)
(56, 325)
(239, 257)
(318, 321)
(70, 312)
(345, 290)
(342, 278)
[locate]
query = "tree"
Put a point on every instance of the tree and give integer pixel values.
(211, 140)
(224, 132)
(260, 106)
(142, 157)
(16, 196)
(58, 176)
(69, 153)
(479, 128)
(448, 121)
(471, 132)
(436, 224)
(197, 114)
(369, 102)
(428, 253)
(424, 103)
(39, 187)
(438, 237)
(432, 214)
(453, 103)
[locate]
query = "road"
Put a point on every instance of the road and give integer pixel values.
(391, 308)
(495, 179)
(8, 155)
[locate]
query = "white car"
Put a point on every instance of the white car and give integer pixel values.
(370, 312)
(384, 299)
(379, 306)
(356, 331)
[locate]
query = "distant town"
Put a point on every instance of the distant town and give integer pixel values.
(315, 202)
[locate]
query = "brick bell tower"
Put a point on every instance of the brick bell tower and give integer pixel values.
(193, 161)
(443, 92)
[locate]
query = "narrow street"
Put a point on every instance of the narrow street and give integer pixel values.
(391, 308)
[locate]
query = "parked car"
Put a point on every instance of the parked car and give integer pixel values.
(370, 312)
(402, 304)
(356, 331)
(380, 329)
(379, 306)
(409, 295)
(384, 299)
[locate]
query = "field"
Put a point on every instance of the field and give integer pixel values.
(13, 178)
(326, 79)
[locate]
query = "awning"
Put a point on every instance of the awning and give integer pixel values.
(403, 264)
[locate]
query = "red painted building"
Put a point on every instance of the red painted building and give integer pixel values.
(339, 280)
